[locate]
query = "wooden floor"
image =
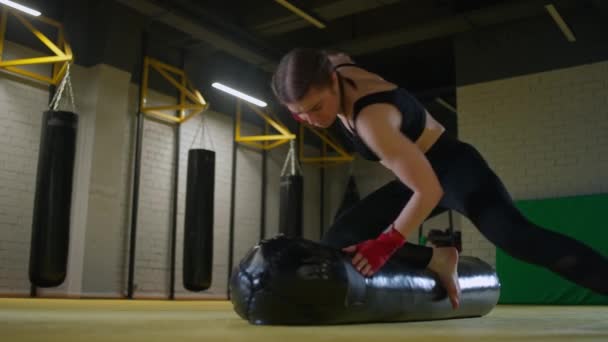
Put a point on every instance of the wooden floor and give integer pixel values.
(121, 320)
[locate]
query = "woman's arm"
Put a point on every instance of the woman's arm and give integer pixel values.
(379, 126)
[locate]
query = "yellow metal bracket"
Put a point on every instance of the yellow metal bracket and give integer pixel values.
(329, 143)
(190, 102)
(61, 49)
(267, 141)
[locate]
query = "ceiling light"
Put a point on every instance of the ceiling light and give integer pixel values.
(560, 22)
(445, 104)
(20, 7)
(239, 94)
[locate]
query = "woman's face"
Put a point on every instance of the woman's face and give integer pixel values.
(319, 107)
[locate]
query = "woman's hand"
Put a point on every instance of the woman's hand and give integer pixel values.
(372, 254)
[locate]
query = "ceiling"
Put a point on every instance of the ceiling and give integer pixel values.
(407, 41)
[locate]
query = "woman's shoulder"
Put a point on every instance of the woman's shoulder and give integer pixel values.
(337, 58)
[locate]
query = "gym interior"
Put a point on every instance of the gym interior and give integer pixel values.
(137, 189)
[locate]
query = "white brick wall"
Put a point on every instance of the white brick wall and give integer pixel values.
(544, 134)
(97, 229)
(153, 240)
(247, 196)
(103, 262)
(216, 135)
(22, 104)
(155, 204)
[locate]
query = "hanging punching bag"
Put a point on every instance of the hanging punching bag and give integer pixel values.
(198, 230)
(291, 197)
(351, 197)
(290, 218)
(52, 202)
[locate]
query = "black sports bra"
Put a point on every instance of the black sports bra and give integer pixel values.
(412, 124)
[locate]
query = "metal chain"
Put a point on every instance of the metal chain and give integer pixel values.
(66, 81)
(70, 89)
(205, 131)
(292, 161)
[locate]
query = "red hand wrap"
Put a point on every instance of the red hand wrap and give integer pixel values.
(379, 250)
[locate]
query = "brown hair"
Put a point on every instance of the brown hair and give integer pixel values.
(298, 71)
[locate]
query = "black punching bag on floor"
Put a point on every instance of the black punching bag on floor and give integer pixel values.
(52, 202)
(351, 197)
(198, 230)
(293, 281)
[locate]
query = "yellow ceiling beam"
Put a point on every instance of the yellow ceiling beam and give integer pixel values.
(265, 141)
(190, 101)
(302, 14)
(61, 49)
(328, 142)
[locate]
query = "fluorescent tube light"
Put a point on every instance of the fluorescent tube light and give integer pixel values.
(560, 22)
(445, 104)
(20, 7)
(239, 94)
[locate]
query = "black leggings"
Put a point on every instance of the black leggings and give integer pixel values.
(472, 189)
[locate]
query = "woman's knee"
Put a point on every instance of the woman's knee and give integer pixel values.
(343, 232)
(369, 217)
(338, 238)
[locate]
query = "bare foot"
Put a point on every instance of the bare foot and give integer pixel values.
(444, 263)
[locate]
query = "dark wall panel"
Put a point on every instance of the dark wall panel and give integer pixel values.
(530, 46)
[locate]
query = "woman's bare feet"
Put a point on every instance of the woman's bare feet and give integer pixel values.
(444, 263)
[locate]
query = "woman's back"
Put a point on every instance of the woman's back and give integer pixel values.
(365, 83)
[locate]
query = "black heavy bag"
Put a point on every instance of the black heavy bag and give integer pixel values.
(198, 230)
(351, 197)
(52, 202)
(290, 216)
(300, 282)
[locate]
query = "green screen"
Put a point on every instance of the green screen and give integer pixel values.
(584, 218)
